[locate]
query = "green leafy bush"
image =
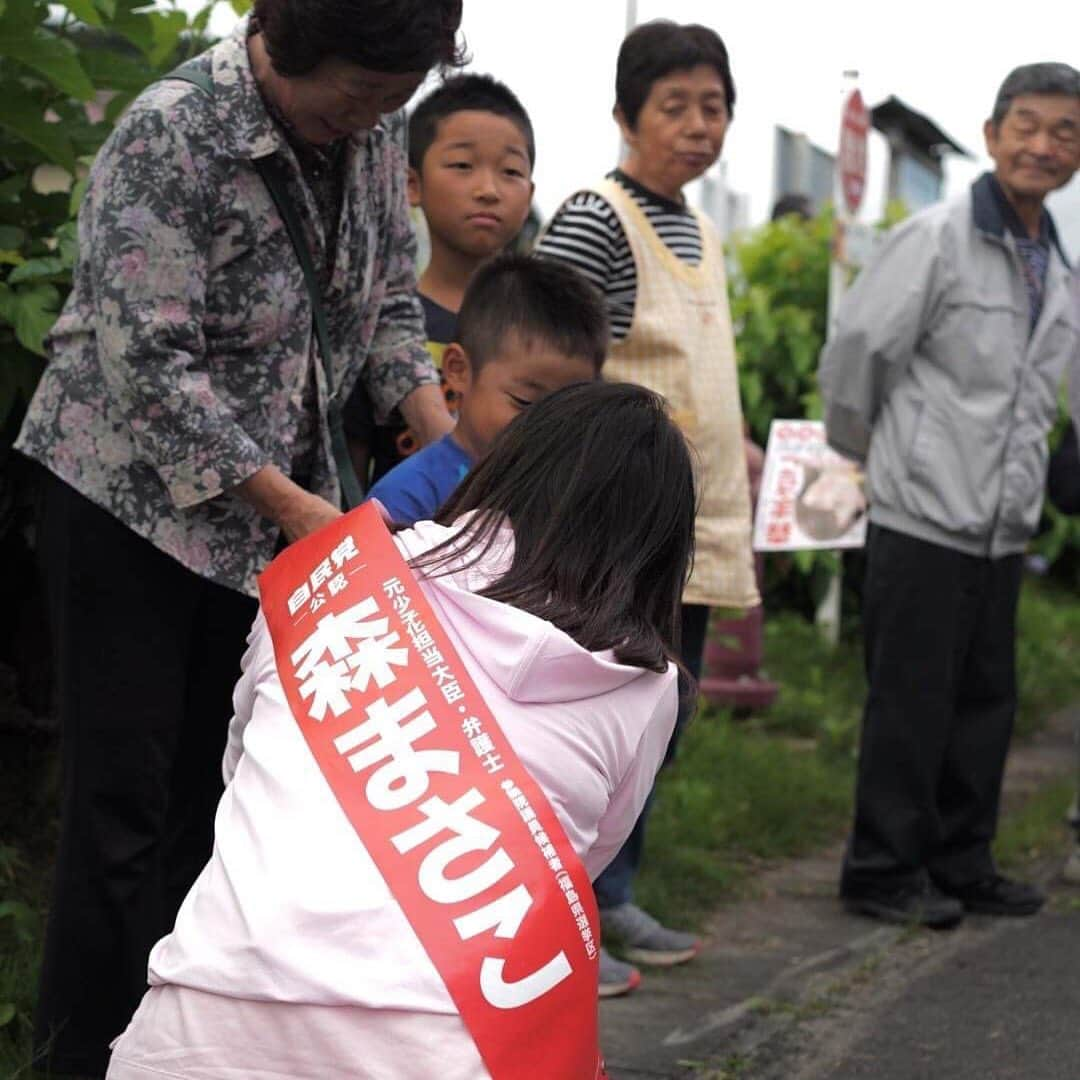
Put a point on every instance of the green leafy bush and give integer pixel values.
(779, 305)
(67, 71)
(779, 291)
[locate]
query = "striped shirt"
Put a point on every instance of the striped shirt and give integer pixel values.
(586, 233)
(1034, 252)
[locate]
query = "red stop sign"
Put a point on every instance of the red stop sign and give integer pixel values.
(854, 128)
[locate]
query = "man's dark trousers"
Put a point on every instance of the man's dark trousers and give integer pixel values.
(939, 629)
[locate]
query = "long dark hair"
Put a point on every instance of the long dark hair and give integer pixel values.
(597, 484)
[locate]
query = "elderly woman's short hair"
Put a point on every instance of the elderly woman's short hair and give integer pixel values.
(390, 36)
(655, 49)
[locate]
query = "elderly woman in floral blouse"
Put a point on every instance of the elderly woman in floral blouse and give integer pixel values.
(183, 420)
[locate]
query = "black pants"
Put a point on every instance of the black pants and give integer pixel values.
(146, 657)
(615, 885)
(940, 633)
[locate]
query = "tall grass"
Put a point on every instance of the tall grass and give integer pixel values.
(745, 790)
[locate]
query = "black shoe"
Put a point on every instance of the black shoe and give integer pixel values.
(999, 895)
(913, 905)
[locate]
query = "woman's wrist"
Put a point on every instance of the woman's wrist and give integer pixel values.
(296, 511)
(274, 495)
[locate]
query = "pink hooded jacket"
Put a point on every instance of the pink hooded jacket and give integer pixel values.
(292, 909)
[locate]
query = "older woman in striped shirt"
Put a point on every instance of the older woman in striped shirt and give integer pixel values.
(660, 265)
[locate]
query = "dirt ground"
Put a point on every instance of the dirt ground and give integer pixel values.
(790, 987)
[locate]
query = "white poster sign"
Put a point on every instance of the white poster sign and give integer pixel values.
(811, 497)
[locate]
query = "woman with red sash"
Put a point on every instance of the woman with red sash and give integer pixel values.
(439, 739)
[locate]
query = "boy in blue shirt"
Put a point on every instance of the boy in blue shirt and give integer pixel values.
(527, 326)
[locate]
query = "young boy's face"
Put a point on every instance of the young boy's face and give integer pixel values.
(520, 373)
(475, 183)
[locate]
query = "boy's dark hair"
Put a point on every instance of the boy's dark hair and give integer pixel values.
(391, 36)
(1045, 78)
(655, 49)
(537, 299)
(597, 484)
(479, 92)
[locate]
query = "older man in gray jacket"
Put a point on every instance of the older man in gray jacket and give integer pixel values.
(942, 374)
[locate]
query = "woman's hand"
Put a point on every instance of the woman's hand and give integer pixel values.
(288, 505)
(308, 515)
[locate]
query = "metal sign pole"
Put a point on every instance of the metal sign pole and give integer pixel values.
(828, 612)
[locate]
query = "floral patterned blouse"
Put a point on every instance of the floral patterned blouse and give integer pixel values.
(178, 366)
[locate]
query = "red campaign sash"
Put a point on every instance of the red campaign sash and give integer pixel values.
(464, 837)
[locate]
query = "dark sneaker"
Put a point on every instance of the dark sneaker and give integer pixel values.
(639, 937)
(913, 905)
(616, 978)
(999, 895)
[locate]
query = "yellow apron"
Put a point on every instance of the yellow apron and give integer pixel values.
(681, 345)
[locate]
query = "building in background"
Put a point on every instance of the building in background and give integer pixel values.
(917, 149)
(801, 168)
(729, 210)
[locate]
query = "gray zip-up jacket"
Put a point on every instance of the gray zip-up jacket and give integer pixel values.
(934, 377)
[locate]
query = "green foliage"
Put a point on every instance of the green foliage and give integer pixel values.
(29, 790)
(823, 687)
(779, 306)
(20, 943)
(66, 72)
(1038, 828)
(895, 212)
(780, 783)
(734, 796)
(1058, 541)
(779, 293)
(1047, 642)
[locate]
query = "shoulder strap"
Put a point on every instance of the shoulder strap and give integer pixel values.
(195, 74)
(269, 169)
